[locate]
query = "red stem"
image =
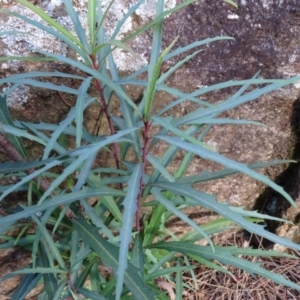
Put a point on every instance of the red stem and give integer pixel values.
(147, 126)
(107, 114)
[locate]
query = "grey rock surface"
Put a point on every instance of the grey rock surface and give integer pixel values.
(266, 38)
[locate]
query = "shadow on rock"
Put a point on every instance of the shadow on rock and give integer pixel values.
(272, 203)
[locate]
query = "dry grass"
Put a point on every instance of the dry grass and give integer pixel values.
(214, 285)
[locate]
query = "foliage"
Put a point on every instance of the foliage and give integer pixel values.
(75, 241)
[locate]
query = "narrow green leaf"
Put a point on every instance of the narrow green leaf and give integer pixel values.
(210, 264)
(123, 46)
(50, 284)
(5, 119)
(228, 104)
(157, 166)
(158, 19)
(39, 270)
(63, 125)
(173, 69)
(29, 178)
(207, 154)
(153, 74)
(208, 176)
(42, 74)
(85, 271)
(178, 51)
(80, 32)
(133, 8)
(126, 111)
(52, 32)
(227, 257)
(41, 13)
(138, 258)
(209, 202)
(129, 204)
(51, 245)
(28, 282)
(152, 228)
(9, 167)
(231, 2)
(98, 222)
(225, 121)
(80, 106)
(83, 155)
(179, 283)
(96, 74)
(255, 214)
(60, 200)
(210, 228)
(26, 58)
(90, 294)
(109, 255)
(156, 193)
(165, 271)
(91, 17)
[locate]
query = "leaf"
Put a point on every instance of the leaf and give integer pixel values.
(59, 200)
(22, 133)
(165, 271)
(229, 103)
(90, 294)
(80, 106)
(123, 46)
(51, 245)
(255, 214)
(109, 255)
(138, 258)
(63, 125)
(159, 18)
(43, 15)
(50, 284)
(178, 51)
(231, 2)
(165, 202)
(80, 32)
(209, 202)
(28, 178)
(27, 283)
(225, 256)
(51, 31)
(208, 176)
(152, 228)
(153, 74)
(5, 119)
(28, 58)
(85, 271)
(179, 283)
(83, 155)
(91, 17)
(209, 228)
(157, 166)
(231, 164)
(130, 207)
(9, 167)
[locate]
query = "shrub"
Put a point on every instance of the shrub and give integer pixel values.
(75, 239)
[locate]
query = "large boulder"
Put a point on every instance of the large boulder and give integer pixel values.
(266, 38)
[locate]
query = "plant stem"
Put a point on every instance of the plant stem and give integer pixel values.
(107, 113)
(146, 138)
